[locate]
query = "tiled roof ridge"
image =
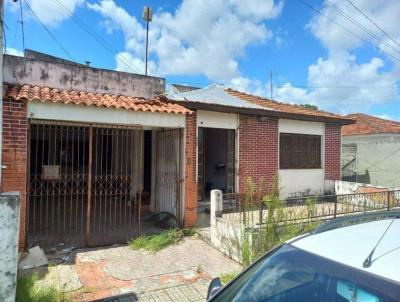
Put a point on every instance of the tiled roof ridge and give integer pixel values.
(279, 103)
(369, 124)
(31, 92)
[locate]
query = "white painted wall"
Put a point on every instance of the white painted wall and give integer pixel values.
(302, 181)
(90, 114)
(9, 230)
(380, 155)
(212, 119)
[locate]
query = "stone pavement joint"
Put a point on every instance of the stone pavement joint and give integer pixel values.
(179, 272)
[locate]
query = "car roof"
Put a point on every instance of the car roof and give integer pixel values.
(351, 245)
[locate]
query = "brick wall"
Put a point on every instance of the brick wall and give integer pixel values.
(258, 150)
(190, 171)
(332, 151)
(15, 134)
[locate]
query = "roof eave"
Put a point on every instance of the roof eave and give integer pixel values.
(262, 112)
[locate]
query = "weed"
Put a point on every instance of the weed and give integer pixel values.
(154, 243)
(226, 278)
(29, 291)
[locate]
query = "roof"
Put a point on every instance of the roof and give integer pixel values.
(288, 108)
(356, 242)
(368, 124)
(212, 95)
(226, 97)
(43, 94)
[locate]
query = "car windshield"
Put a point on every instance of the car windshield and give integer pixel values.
(290, 274)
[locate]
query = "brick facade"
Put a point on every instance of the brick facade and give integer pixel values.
(15, 142)
(190, 171)
(258, 150)
(332, 151)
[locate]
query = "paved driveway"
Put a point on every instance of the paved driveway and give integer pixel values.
(177, 273)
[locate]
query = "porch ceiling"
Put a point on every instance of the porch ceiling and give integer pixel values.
(43, 94)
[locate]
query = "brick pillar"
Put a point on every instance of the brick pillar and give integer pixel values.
(190, 171)
(15, 142)
(332, 151)
(258, 150)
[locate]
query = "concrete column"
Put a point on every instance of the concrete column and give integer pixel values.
(216, 206)
(9, 230)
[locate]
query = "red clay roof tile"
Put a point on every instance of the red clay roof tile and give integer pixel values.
(288, 108)
(367, 124)
(54, 95)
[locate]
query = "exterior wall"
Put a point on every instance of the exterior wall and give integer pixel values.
(258, 150)
(212, 119)
(378, 157)
(15, 140)
(332, 151)
(64, 75)
(295, 182)
(9, 228)
(190, 218)
(83, 113)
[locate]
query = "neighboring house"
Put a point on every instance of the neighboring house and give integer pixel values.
(93, 151)
(241, 136)
(371, 151)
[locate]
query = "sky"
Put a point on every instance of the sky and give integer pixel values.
(341, 55)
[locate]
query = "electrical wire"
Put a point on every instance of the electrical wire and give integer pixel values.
(91, 32)
(360, 26)
(373, 22)
(48, 31)
(346, 29)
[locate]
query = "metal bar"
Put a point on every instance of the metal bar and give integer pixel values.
(89, 186)
(28, 183)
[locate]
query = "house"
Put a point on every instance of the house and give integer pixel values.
(371, 151)
(242, 136)
(92, 151)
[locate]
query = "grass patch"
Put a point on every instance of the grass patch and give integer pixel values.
(226, 278)
(27, 291)
(154, 243)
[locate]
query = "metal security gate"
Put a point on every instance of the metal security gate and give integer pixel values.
(82, 189)
(168, 172)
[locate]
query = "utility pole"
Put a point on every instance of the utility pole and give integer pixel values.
(147, 16)
(270, 82)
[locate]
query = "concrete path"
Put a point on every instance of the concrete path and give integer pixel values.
(180, 272)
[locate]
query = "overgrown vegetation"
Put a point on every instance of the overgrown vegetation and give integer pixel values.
(226, 278)
(29, 291)
(276, 222)
(156, 242)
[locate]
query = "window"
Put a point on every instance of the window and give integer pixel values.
(300, 151)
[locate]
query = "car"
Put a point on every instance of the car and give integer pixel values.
(348, 259)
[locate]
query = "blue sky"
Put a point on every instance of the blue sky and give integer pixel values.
(235, 43)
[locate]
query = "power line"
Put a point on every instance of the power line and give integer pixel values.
(91, 32)
(359, 25)
(345, 28)
(373, 22)
(48, 31)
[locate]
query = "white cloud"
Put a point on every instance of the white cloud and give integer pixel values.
(200, 37)
(13, 52)
(49, 12)
(341, 68)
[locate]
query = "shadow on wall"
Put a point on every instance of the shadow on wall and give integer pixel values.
(360, 178)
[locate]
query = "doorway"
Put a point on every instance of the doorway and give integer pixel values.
(216, 162)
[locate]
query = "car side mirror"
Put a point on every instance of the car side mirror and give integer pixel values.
(214, 287)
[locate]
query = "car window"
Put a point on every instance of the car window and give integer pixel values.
(291, 274)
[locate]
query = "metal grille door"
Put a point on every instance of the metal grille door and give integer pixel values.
(167, 171)
(58, 190)
(84, 186)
